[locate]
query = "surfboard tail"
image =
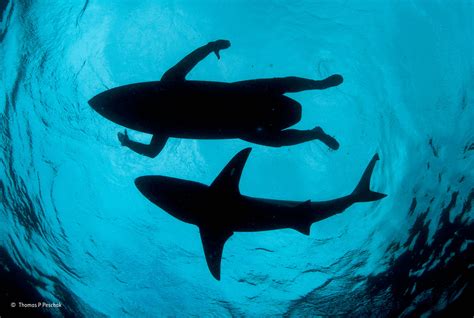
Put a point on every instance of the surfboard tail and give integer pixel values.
(362, 192)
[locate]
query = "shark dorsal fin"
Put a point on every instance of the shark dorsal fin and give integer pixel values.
(229, 178)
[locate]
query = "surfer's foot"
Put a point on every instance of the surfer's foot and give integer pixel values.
(329, 141)
(333, 80)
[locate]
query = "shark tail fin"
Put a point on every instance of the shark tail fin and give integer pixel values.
(362, 192)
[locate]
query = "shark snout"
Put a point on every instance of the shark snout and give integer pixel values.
(155, 187)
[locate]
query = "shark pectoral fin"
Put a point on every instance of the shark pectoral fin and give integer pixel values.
(229, 178)
(303, 228)
(213, 241)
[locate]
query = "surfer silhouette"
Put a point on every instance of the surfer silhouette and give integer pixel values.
(255, 110)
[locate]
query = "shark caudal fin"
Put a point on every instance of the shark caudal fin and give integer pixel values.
(362, 192)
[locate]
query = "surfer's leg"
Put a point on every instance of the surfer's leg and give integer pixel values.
(291, 137)
(151, 150)
(290, 84)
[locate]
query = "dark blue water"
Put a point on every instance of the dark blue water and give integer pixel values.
(75, 230)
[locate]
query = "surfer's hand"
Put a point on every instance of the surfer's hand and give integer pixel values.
(123, 137)
(219, 45)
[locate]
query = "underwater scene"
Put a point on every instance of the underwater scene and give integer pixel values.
(236, 158)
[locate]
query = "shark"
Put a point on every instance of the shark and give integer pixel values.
(219, 209)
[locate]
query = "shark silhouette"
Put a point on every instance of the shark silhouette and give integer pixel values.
(220, 209)
(254, 110)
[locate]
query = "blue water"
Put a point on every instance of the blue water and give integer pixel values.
(73, 222)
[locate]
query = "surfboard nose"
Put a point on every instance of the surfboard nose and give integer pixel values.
(116, 107)
(142, 184)
(95, 103)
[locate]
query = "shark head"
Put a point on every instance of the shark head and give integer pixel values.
(175, 196)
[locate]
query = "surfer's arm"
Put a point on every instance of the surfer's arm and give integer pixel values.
(180, 70)
(151, 150)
